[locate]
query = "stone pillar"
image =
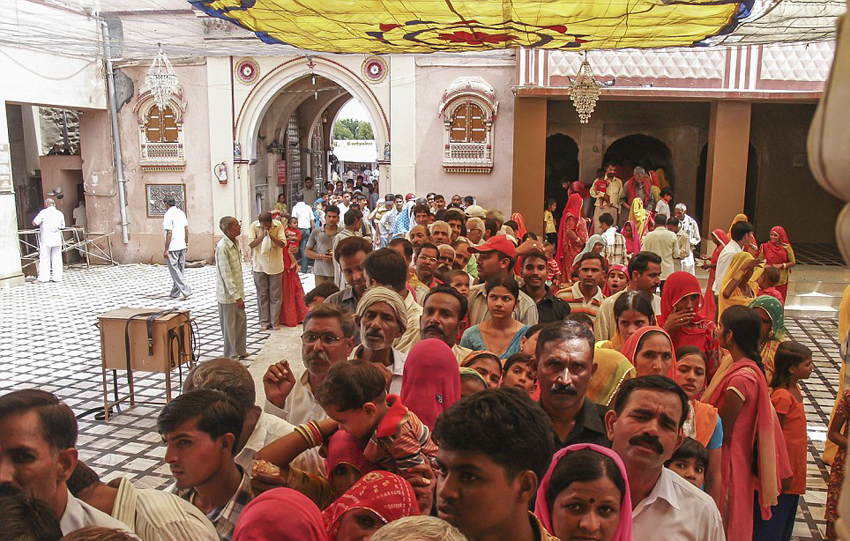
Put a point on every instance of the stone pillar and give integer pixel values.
(402, 171)
(529, 175)
(726, 167)
(10, 255)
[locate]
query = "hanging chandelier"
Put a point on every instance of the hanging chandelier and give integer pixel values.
(585, 91)
(161, 79)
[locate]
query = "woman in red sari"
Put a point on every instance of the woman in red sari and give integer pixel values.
(293, 310)
(778, 253)
(572, 234)
(632, 238)
(709, 304)
(680, 316)
(752, 435)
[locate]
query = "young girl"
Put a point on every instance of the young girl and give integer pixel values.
(553, 268)
(293, 234)
(838, 435)
(793, 362)
(549, 221)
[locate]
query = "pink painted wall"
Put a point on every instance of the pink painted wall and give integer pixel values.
(491, 190)
(146, 236)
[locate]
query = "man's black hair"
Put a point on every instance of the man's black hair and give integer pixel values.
(660, 220)
(420, 209)
(667, 191)
(388, 268)
(217, 414)
(448, 290)
(741, 230)
(492, 226)
(502, 424)
(350, 246)
(429, 246)
(25, 518)
(651, 383)
(641, 260)
(673, 221)
(606, 219)
(58, 424)
(332, 208)
(534, 255)
(534, 329)
(352, 216)
(591, 255)
(563, 331)
(405, 244)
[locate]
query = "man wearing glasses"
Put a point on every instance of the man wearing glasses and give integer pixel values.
(328, 339)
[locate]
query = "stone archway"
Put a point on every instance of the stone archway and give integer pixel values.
(251, 114)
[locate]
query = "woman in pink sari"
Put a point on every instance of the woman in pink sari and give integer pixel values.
(572, 234)
(632, 238)
(709, 304)
(778, 253)
(293, 310)
(752, 435)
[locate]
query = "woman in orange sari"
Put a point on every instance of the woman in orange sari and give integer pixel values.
(778, 253)
(572, 235)
(292, 310)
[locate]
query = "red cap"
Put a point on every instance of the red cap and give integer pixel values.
(496, 243)
(409, 196)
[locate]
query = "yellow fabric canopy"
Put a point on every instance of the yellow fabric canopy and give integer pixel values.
(422, 26)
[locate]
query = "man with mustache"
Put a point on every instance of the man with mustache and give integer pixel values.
(382, 318)
(386, 267)
(328, 339)
(443, 312)
(645, 428)
(564, 356)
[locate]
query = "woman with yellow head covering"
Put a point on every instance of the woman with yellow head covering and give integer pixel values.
(830, 448)
(737, 287)
(638, 216)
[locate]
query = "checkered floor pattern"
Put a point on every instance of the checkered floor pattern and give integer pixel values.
(48, 340)
(818, 254)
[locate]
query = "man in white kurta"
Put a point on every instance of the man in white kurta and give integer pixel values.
(50, 222)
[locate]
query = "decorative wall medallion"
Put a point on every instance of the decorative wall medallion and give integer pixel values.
(247, 71)
(157, 192)
(374, 69)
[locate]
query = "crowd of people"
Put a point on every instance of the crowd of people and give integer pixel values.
(462, 377)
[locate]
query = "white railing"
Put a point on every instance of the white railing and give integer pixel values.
(162, 155)
(468, 157)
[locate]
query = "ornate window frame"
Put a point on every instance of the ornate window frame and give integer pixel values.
(160, 156)
(467, 156)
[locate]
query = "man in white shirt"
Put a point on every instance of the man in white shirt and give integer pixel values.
(328, 338)
(662, 241)
(644, 275)
(645, 427)
(306, 221)
(50, 222)
(663, 205)
(691, 228)
(267, 240)
(742, 233)
(34, 424)
(684, 255)
(151, 514)
(382, 318)
(176, 228)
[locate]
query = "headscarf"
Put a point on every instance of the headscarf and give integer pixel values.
(629, 349)
(776, 312)
(632, 244)
(520, 222)
(260, 519)
(385, 494)
(622, 268)
(431, 380)
(343, 448)
(738, 261)
(736, 219)
(541, 507)
(772, 459)
(376, 294)
(723, 240)
(638, 216)
(467, 371)
(573, 208)
(588, 247)
(774, 254)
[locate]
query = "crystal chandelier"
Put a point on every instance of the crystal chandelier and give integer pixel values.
(585, 91)
(161, 80)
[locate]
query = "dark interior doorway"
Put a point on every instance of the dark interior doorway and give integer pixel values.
(640, 150)
(561, 165)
